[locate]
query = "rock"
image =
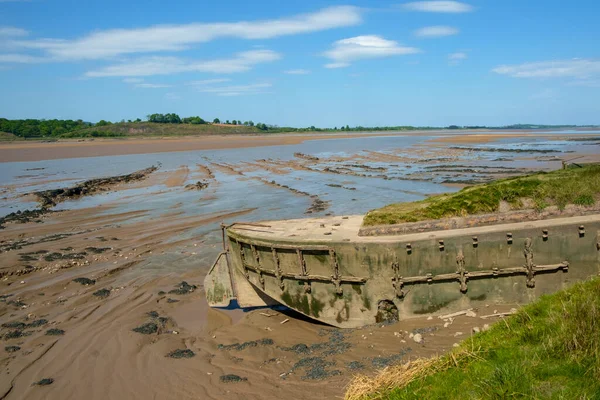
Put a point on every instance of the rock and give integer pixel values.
(455, 345)
(418, 338)
(485, 328)
(458, 334)
(471, 314)
(429, 318)
(476, 329)
(447, 324)
(411, 335)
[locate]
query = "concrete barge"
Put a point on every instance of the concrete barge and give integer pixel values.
(327, 269)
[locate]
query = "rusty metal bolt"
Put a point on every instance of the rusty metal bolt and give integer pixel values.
(545, 234)
(441, 242)
(475, 241)
(408, 248)
(581, 231)
(509, 238)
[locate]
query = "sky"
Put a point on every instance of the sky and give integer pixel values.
(303, 63)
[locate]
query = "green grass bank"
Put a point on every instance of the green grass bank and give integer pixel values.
(550, 349)
(579, 186)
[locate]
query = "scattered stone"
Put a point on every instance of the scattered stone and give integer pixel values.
(102, 293)
(418, 338)
(315, 368)
(476, 329)
(470, 313)
(458, 334)
(183, 288)
(11, 349)
(382, 362)
(55, 332)
(44, 382)
(230, 378)
(186, 353)
(300, 348)
(84, 281)
(485, 327)
(455, 345)
(147, 329)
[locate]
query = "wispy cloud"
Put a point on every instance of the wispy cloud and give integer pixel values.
(133, 80)
(11, 31)
(172, 65)
(152, 85)
(435, 31)
(297, 72)
(172, 96)
(345, 51)
(438, 6)
(115, 42)
(457, 58)
(582, 69)
(237, 90)
(209, 81)
(20, 59)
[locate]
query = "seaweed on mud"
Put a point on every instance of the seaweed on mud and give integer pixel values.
(11, 349)
(170, 300)
(153, 314)
(14, 325)
(17, 333)
(37, 323)
(231, 378)
(424, 330)
(22, 217)
(299, 348)
(162, 293)
(315, 368)
(102, 293)
(58, 256)
(3, 297)
(197, 186)
(185, 353)
(85, 281)
(183, 288)
(55, 332)
(50, 198)
(317, 205)
(505, 150)
(382, 362)
(245, 345)
(149, 328)
(44, 382)
(16, 303)
(98, 250)
(355, 365)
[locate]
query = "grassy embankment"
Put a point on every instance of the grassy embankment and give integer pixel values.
(150, 129)
(7, 137)
(550, 349)
(580, 186)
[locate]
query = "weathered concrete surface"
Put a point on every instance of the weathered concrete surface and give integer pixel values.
(323, 269)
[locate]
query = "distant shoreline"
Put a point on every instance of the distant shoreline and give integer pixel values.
(28, 150)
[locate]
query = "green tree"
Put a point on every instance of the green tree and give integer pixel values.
(216, 121)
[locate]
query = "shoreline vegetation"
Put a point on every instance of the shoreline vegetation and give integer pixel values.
(576, 185)
(172, 125)
(549, 349)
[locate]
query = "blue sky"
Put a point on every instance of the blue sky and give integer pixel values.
(303, 63)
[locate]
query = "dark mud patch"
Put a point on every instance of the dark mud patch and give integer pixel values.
(65, 256)
(245, 345)
(183, 288)
(17, 333)
(102, 293)
(306, 157)
(44, 382)
(317, 205)
(170, 300)
(97, 250)
(50, 198)
(55, 332)
(85, 281)
(184, 353)
(231, 378)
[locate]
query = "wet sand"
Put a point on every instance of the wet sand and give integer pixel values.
(36, 151)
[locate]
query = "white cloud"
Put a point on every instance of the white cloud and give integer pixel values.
(457, 58)
(297, 72)
(362, 47)
(6, 31)
(436, 31)
(20, 59)
(172, 65)
(151, 85)
(133, 80)
(111, 43)
(577, 68)
(438, 6)
(209, 81)
(237, 90)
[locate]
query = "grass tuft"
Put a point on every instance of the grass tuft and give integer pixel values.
(550, 349)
